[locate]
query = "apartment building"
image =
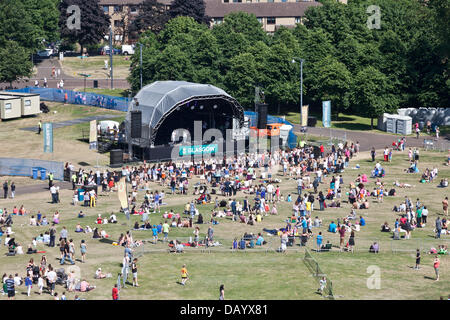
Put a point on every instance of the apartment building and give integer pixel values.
(271, 13)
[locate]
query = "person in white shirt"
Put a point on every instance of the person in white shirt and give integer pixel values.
(17, 280)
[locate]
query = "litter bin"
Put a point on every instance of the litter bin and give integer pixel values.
(35, 173)
(43, 172)
(80, 195)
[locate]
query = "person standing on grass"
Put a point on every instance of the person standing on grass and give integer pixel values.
(438, 228)
(184, 275)
(166, 231)
(5, 189)
(436, 264)
(351, 241)
(417, 267)
(28, 284)
(134, 272)
(372, 154)
(83, 250)
(115, 292)
(341, 236)
(10, 287)
(221, 292)
(319, 241)
(445, 206)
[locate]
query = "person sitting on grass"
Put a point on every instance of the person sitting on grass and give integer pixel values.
(81, 214)
(78, 228)
(260, 240)
(374, 248)
(385, 227)
(332, 227)
(99, 274)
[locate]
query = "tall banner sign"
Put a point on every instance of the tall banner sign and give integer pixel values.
(305, 110)
(122, 193)
(93, 135)
(48, 137)
(326, 113)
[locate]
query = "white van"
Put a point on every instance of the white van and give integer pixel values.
(127, 49)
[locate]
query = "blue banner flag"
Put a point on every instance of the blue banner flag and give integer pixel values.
(326, 114)
(48, 137)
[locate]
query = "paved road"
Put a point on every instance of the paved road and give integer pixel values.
(44, 69)
(57, 125)
(36, 188)
(367, 140)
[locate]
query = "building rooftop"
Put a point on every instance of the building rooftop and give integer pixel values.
(217, 8)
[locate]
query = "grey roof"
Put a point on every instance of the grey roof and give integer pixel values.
(160, 97)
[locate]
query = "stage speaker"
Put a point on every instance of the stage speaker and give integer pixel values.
(262, 115)
(136, 124)
(116, 158)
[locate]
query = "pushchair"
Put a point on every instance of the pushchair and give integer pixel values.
(61, 276)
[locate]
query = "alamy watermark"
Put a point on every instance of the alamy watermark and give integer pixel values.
(74, 20)
(374, 20)
(374, 281)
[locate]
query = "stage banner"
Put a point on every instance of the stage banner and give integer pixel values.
(200, 149)
(305, 110)
(326, 114)
(48, 137)
(122, 194)
(93, 135)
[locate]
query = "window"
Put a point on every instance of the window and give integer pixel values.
(8, 106)
(133, 9)
(269, 0)
(260, 20)
(298, 19)
(118, 23)
(27, 103)
(106, 9)
(271, 20)
(226, 1)
(217, 20)
(237, 0)
(117, 8)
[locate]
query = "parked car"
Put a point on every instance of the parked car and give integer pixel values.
(47, 53)
(105, 51)
(127, 49)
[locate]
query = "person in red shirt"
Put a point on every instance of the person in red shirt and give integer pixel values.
(341, 236)
(322, 151)
(115, 292)
(436, 264)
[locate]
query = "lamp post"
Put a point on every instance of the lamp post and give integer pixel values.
(294, 60)
(140, 62)
(111, 56)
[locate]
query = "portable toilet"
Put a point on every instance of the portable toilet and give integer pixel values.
(391, 123)
(31, 102)
(404, 125)
(10, 107)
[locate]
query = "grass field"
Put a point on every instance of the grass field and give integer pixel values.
(95, 66)
(253, 274)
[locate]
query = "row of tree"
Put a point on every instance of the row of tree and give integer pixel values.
(362, 70)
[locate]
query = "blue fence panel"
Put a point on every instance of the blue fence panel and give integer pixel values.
(79, 98)
(24, 167)
(292, 138)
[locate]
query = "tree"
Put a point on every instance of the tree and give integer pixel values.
(94, 23)
(28, 22)
(240, 79)
(370, 93)
(179, 26)
(173, 64)
(332, 82)
(152, 16)
(191, 8)
(14, 62)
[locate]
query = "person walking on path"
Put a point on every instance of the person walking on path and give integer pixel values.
(436, 264)
(39, 127)
(184, 275)
(5, 189)
(221, 292)
(13, 190)
(372, 154)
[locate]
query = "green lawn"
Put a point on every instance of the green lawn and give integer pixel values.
(253, 274)
(108, 92)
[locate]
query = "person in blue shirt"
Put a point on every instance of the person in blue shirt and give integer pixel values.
(332, 227)
(259, 240)
(155, 234)
(362, 222)
(319, 241)
(242, 244)
(252, 243)
(305, 225)
(235, 244)
(289, 199)
(159, 228)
